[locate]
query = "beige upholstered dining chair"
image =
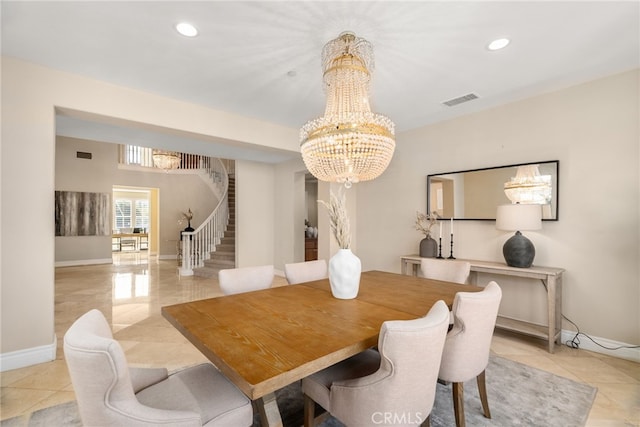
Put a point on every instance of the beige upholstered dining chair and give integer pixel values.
(109, 393)
(447, 270)
(398, 379)
(299, 272)
(466, 350)
(245, 279)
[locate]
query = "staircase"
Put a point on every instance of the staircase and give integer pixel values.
(224, 255)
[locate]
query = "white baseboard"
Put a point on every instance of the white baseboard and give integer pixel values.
(632, 354)
(27, 357)
(184, 272)
(83, 262)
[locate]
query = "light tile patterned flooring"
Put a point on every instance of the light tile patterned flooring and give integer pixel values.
(131, 291)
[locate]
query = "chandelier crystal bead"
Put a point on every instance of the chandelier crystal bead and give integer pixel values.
(349, 143)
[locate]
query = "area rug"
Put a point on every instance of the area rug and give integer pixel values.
(518, 396)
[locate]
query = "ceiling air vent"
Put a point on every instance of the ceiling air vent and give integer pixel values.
(460, 99)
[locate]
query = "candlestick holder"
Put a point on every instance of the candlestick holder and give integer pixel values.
(440, 249)
(451, 254)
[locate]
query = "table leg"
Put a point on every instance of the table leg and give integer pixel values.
(557, 284)
(268, 410)
(554, 318)
(409, 267)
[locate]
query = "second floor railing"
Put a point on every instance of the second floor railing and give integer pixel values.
(143, 156)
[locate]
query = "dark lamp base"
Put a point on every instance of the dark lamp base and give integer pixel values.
(518, 251)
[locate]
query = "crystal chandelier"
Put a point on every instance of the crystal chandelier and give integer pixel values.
(349, 143)
(166, 160)
(529, 187)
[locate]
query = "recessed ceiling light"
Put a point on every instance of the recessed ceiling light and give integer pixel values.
(498, 44)
(187, 29)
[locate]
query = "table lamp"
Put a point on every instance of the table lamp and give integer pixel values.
(518, 251)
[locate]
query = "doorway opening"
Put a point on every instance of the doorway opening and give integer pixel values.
(311, 218)
(135, 224)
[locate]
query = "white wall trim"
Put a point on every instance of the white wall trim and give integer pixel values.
(84, 262)
(30, 356)
(632, 354)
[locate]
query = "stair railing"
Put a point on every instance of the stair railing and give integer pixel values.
(197, 245)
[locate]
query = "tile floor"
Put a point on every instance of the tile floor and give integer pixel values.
(131, 291)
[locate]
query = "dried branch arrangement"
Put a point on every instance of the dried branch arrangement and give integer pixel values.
(338, 219)
(425, 222)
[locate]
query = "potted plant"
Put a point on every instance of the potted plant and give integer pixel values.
(428, 245)
(188, 215)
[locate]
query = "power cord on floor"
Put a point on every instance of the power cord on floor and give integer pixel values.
(575, 341)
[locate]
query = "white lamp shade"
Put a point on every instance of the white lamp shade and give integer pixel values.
(518, 217)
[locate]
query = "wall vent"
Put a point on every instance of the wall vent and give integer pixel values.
(83, 155)
(460, 99)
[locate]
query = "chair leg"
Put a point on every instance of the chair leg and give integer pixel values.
(458, 403)
(482, 390)
(309, 411)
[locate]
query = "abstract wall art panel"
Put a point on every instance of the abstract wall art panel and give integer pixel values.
(82, 214)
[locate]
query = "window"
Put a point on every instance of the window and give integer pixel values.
(122, 213)
(142, 214)
(131, 213)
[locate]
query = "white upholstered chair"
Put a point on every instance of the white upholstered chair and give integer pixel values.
(300, 272)
(399, 378)
(466, 350)
(447, 270)
(109, 393)
(245, 279)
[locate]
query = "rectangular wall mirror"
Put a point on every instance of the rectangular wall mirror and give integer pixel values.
(475, 194)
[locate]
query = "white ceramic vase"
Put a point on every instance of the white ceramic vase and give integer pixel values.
(344, 274)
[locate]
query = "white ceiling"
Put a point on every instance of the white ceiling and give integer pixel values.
(426, 52)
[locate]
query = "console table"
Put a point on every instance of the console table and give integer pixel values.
(550, 277)
(135, 240)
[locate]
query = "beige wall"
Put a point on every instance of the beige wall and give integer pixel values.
(30, 95)
(178, 192)
(593, 130)
(290, 214)
(255, 213)
(73, 174)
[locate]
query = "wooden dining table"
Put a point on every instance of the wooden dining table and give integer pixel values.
(265, 340)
